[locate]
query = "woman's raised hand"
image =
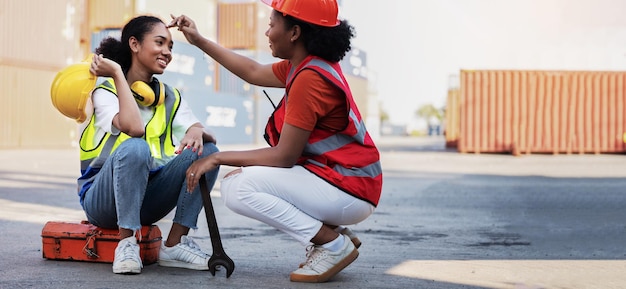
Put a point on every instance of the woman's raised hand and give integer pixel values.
(101, 66)
(186, 26)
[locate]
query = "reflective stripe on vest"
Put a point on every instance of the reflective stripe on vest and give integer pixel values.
(360, 173)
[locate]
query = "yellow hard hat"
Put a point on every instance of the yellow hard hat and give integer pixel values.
(71, 88)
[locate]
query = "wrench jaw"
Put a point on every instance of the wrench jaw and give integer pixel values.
(221, 260)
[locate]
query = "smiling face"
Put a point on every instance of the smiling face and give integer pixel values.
(154, 52)
(279, 36)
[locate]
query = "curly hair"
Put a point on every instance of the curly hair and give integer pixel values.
(119, 50)
(329, 43)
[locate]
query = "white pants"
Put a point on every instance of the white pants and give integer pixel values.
(292, 200)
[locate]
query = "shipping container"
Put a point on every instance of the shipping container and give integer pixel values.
(41, 34)
(237, 25)
(354, 63)
(359, 89)
(75, 27)
(228, 82)
(228, 114)
(40, 38)
(114, 14)
(523, 112)
(230, 117)
(242, 24)
(452, 117)
(27, 117)
(354, 67)
(104, 14)
(203, 13)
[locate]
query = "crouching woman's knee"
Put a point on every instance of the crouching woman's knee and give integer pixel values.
(231, 194)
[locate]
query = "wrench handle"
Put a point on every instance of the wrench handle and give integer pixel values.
(219, 257)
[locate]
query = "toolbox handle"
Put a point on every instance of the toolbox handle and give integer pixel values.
(90, 244)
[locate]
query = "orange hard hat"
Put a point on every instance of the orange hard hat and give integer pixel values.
(318, 12)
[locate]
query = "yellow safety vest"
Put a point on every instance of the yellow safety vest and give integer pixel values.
(158, 135)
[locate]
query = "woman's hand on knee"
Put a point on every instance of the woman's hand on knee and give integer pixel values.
(193, 139)
(198, 168)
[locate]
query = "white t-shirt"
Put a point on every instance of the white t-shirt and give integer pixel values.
(106, 106)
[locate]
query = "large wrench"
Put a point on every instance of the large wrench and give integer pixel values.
(219, 257)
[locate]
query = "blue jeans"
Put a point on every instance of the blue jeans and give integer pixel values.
(125, 194)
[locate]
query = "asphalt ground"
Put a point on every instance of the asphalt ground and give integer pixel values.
(445, 220)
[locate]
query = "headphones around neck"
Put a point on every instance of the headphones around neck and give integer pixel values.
(152, 94)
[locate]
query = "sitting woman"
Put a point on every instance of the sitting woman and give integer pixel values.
(132, 172)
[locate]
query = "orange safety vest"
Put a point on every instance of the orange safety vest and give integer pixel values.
(348, 159)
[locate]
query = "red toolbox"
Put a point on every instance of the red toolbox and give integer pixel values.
(86, 242)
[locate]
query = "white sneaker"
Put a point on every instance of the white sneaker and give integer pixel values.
(127, 259)
(186, 254)
(322, 264)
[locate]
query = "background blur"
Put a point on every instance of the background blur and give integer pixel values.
(42, 37)
(433, 39)
(473, 70)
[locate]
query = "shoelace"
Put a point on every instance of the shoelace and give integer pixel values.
(313, 255)
(129, 252)
(195, 247)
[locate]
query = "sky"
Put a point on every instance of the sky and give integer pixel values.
(415, 48)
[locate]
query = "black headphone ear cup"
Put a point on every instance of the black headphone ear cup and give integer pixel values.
(159, 92)
(143, 93)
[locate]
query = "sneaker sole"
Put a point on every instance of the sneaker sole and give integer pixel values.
(328, 274)
(127, 271)
(356, 242)
(178, 264)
